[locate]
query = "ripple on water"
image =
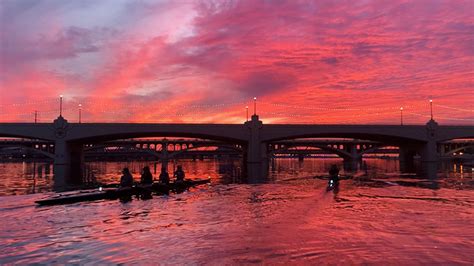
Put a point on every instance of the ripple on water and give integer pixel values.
(295, 222)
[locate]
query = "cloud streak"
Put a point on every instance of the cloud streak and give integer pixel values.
(156, 54)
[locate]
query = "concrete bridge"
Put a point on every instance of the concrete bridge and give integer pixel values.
(253, 136)
(164, 149)
(170, 148)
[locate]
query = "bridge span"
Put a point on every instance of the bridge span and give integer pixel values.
(256, 139)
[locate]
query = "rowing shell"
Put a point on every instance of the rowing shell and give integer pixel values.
(115, 193)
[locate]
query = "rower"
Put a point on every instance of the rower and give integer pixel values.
(127, 179)
(179, 174)
(164, 176)
(147, 177)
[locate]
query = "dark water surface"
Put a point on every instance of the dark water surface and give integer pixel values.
(379, 217)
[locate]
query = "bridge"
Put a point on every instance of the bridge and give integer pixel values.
(169, 148)
(255, 139)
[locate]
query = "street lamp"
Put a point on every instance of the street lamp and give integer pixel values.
(61, 105)
(80, 110)
(401, 116)
(255, 105)
(247, 111)
(431, 108)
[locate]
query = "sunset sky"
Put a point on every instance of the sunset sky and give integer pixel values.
(204, 61)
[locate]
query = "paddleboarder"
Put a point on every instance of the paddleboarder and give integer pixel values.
(333, 178)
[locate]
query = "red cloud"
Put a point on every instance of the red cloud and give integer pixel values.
(306, 61)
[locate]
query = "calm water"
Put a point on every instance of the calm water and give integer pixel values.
(379, 216)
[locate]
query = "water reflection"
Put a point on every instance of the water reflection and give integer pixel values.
(34, 177)
(296, 222)
(25, 178)
(378, 216)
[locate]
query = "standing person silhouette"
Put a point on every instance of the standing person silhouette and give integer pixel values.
(179, 174)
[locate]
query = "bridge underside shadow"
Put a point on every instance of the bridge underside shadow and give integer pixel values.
(350, 149)
(73, 156)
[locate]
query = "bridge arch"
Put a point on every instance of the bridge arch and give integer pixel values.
(171, 153)
(361, 149)
(455, 132)
(386, 139)
(111, 137)
(341, 153)
(452, 151)
(176, 153)
(374, 148)
(34, 150)
(92, 133)
(381, 133)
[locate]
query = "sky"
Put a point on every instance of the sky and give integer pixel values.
(321, 61)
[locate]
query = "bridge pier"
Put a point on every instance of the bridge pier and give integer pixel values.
(351, 162)
(301, 157)
(429, 159)
(256, 156)
(429, 151)
(68, 163)
(164, 156)
(353, 151)
(68, 156)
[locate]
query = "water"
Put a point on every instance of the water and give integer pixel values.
(379, 216)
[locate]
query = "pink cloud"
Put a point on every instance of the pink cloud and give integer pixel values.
(304, 60)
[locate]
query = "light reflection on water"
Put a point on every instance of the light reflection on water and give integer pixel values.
(389, 219)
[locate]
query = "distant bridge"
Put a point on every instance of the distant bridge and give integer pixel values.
(257, 140)
(348, 149)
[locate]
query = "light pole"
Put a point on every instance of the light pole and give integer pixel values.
(61, 105)
(254, 105)
(80, 110)
(247, 111)
(431, 108)
(36, 116)
(401, 116)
